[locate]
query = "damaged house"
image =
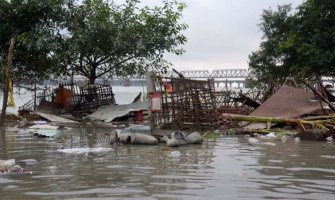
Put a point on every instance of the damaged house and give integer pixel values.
(76, 99)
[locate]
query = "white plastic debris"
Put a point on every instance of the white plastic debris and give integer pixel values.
(330, 139)
(253, 140)
(30, 161)
(7, 163)
(84, 150)
(284, 138)
(297, 139)
(44, 126)
(269, 144)
(175, 154)
(271, 135)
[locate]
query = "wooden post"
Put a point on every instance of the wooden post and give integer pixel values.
(8, 76)
(150, 90)
(35, 95)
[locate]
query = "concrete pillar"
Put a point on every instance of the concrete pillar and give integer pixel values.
(149, 82)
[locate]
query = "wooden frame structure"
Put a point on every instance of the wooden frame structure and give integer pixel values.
(186, 104)
(72, 99)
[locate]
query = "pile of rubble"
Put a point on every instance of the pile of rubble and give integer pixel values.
(309, 114)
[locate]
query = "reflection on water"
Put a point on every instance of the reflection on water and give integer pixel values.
(229, 168)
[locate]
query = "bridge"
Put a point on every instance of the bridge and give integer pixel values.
(226, 76)
(218, 73)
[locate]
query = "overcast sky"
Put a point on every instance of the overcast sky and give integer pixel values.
(222, 33)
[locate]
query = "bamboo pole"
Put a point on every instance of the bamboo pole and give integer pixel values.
(8, 76)
(260, 119)
(319, 123)
(319, 118)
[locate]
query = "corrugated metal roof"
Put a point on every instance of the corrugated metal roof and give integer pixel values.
(108, 113)
(288, 102)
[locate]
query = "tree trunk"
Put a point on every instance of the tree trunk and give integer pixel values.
(8, 76)
(92, 74)
(91, 79)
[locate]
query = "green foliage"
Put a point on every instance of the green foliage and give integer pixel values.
(110, 39)
(270, 64)
(93, 38)
(315, 39)
(299, 45)
(211, 135)
(35, 26)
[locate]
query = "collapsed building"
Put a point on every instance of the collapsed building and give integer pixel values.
(76, 99)
(188, 104)
(183, 104)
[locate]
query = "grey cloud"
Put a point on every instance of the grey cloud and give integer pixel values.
(222, 34)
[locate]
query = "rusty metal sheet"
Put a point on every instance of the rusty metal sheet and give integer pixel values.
(288, 102)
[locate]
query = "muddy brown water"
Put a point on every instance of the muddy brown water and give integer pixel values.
(228, 168)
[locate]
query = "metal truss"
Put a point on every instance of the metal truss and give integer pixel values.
(205, 74)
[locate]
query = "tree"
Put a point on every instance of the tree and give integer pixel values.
(314, 40)
(33, 26)
(271, 64)
(109, 39)
(299, 45)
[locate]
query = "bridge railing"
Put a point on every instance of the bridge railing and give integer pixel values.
(230, 73)
(218, 73)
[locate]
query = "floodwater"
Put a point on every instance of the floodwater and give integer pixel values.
(228, 168)
(84, 165)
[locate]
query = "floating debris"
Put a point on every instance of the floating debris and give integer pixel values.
(136, 134)
(45, 130)
(175, 154)
(137, 138)
(330, 138)
(10, 167)
(29, 161)
(253, 140)
(297, 139)
(180, 138)
(284, 138)
(84, 150)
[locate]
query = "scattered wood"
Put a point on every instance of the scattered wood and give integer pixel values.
(325, 124)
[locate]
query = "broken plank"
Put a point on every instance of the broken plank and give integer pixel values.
(54, 118)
